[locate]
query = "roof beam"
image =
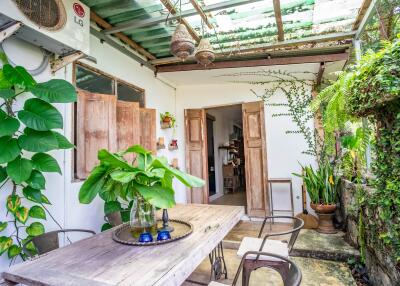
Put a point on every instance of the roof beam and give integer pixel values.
(203, 15)
(134, 24)
(266, 48)
(361, 12)
(365, 18)
(105, 25)
(170, 7)
(120, 48)
(256, 63)
(278, 19)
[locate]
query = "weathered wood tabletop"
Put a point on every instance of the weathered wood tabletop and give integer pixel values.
(99, 260)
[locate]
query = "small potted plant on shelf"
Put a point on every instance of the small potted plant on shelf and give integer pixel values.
(142, 185)
(167, 120)
(321, 185)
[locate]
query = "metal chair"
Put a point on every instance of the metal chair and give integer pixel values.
(291, 274)
(48, 241)
(281, 248)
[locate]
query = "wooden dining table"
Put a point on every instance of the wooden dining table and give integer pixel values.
(99, 260)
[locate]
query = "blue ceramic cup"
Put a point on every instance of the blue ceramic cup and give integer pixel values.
(163, 235)
(145, 237)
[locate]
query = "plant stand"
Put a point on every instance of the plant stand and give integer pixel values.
(325, 224)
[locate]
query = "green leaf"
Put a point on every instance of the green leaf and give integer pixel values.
(30, 246)
(63, 142)
(93, 184)
(3, 225)
(8, 126)
(113, 160)
(110, 207)
(6, 93)
(45, 163)
(123, 176)
(32, 194)
(188, 180)
(55, 90)
(9, 149)
(137, 149)
(18, 75)
(3, 174)
(106, 226)
(5, 243)
(45, 200)
(14, 250)
(13, 202)
(40, 115)
(37, 180)
(19, 170)
(158, 196)
(38, 141)
(35, 229)
(22, 214)
(37, 212)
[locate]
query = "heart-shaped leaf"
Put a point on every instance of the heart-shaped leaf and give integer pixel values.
(18, 75)
(19, 170)
(22, 214)
(35, 229)
(93, 184)
(40, 115)
(45, 163)
(3, 225)
(6, 93)
(38, 141)
(114, 160)
(55, 91)
(3, 174)
(63, 142)
(8, 126)
(158, 196)
(110, 207)
(32, 194)
(37, 212)
(9, 149)
(13, 202)
(5, 243)
(37, 180)
(13, 251)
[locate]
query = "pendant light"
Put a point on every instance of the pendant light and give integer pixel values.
(182, 44)
(205, 53)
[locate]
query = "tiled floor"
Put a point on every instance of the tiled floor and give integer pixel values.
(233, 199)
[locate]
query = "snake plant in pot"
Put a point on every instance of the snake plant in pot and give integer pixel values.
(321, 185)
(144, 185)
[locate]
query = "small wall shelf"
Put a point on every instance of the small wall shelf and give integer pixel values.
(165, 125)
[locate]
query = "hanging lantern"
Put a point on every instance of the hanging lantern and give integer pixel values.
(182, 44)
(205, 53)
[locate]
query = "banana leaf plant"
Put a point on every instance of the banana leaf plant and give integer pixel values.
(116, 181)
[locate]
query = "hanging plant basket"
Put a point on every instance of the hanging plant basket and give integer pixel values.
(182, 44)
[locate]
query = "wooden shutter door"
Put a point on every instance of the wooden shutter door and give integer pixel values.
(96, 129)
(128, 126)
(256, 159)
(196, 153)
(148, 129)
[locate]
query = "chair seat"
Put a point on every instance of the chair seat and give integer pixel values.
(271, 246)
(213, 283)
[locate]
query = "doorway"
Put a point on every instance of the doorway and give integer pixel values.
(245, 185)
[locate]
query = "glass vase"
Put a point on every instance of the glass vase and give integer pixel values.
(143, 217)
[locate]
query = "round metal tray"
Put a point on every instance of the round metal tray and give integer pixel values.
(182, 229)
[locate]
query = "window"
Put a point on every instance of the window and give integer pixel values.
(129, 93)
(93, 82)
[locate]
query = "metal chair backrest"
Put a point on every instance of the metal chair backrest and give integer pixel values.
(293, 277)
(298, 224)
(48, 241)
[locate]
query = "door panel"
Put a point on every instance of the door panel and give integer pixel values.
(196, 153)
(128, 126)
(148, 129)
(256, 159)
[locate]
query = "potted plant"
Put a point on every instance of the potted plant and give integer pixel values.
(167, 120)
(321, 185)
(144, 185)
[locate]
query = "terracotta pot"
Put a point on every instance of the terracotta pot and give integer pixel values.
(167, 119)
(325, 217)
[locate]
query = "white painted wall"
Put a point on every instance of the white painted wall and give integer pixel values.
(283, 151)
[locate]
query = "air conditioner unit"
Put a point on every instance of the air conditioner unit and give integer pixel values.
(59, 26)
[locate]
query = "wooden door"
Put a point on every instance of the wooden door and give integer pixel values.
(196, 153)
(148, 129)
(256, 159)
(96, 129)
(128, 126)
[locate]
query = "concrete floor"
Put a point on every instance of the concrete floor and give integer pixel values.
(332, 270)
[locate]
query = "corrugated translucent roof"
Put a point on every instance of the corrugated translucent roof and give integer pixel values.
(240, 27)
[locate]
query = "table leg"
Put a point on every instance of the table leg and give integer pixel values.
(218, 265)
